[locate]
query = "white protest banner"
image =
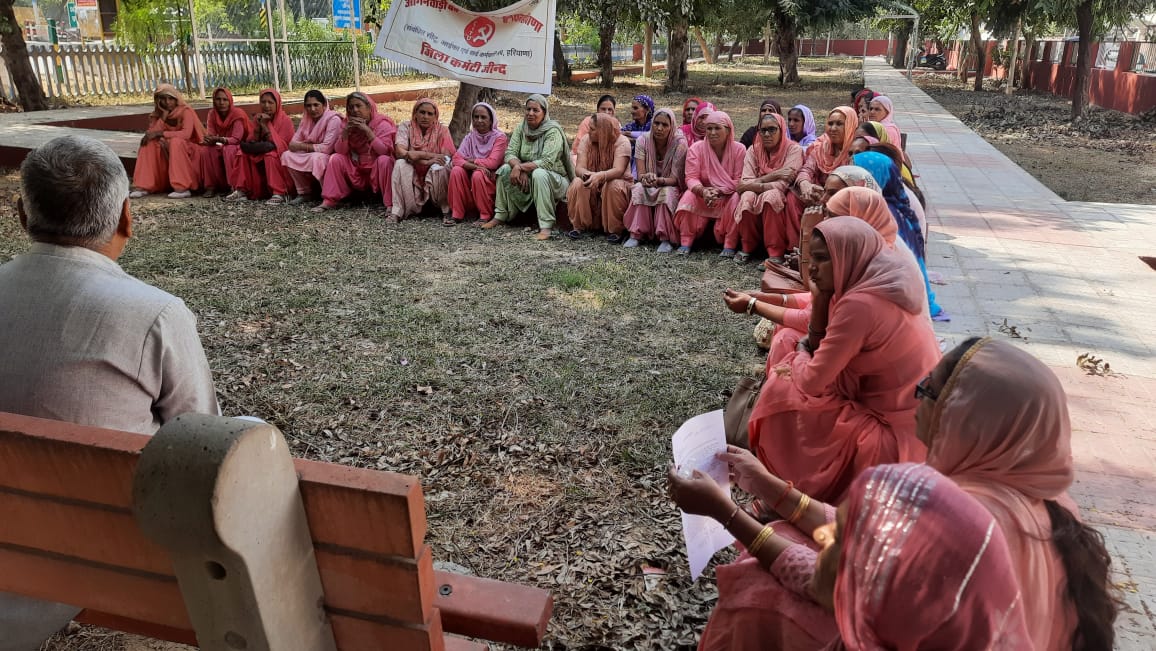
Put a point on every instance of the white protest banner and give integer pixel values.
(508, 49)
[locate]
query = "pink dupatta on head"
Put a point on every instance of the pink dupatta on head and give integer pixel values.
(478, 145)
(718, 170)
(888, 121)
(692, 135)
(675, 148)
(1000, 429)
(924, 566)
(823, 150)
(863, 263)
(428, 140)
(770, 162)
(868, 205)
(313, 131)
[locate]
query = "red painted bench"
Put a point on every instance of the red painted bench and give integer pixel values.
(211, 534)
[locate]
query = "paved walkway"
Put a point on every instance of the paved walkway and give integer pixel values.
(1065, 278)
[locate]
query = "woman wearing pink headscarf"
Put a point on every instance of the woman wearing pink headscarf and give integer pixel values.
(844, 401)
(363, 156)
(311, 146)
(660, 162)
(713, 169)
(831, 150)
(766, 218)
(995, 420)
(909, 562)
(881, 110)
(696, 130)
(472, 178)
(421, 175)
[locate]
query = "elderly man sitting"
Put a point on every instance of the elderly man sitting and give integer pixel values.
(84, 341)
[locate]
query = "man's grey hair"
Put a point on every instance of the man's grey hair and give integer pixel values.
(73, 188)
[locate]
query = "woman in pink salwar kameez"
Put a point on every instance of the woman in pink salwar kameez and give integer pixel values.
(945, 581)
(713, 169)
(421, 175)
(363, 156)
(228, 127)
(767, 219)
(170, 151)
(310, 148)
(473, 178)
(660, 162)
(844, 401)
(261, 173)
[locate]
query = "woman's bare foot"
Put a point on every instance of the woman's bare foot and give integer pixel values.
(493, 223)
(543, 234)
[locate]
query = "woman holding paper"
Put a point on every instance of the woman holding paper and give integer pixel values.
(421, 174)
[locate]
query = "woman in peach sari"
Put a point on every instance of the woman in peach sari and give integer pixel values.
(170, 151)
(844, 401)
(830, 151)
(995, 420)
(713, 169)
(421, 175)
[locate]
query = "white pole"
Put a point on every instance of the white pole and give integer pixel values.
(197, 50)
(285, 47)
(356, 61)
(272, 45)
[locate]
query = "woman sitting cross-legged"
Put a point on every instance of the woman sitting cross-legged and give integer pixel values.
(475, 163)
(908, 561)
(844, 400)
(421, 175)
(995, 420)
(713, 169)
(261, 173)
(537, 170)
(598, 195)
(767, 219)
(831, 150)
(363, 156)
(170, 151)
(309, 150)
(660, 162)
(228, 127)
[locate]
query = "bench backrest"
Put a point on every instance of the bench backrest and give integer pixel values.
(68, 534)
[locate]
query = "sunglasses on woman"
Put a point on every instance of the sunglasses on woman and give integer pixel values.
(767, 131)
(923, 390)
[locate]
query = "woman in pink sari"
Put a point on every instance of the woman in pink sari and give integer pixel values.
(995, 420)
(473, 176)
(768, 215)
(170, 151)
(363, 156)
(844, 401)
(881, 110)
(696, 130)
(260, 172)
(909, 562)
(421, 175)
(660, 163)
(228, 127)
(713, 169)
(831, 150)
(311, 146)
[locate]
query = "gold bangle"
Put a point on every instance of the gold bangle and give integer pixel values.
(760, 540)
(804, 502)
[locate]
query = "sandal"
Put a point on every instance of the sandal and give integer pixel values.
(275, 200)
(613, 238)
(741, 257)
(300, 199)
(449, 221)
(574, 234)
(391, 219)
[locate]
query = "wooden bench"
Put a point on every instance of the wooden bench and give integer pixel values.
(211, 534)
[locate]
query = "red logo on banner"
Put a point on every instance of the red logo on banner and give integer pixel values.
(479, 31)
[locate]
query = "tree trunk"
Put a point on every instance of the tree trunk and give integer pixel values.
(1026, 63)
(964, 54)
(702, 45)
(16, 56)
(606, 52)
(978, 45)
(462, 119)
(677, 52)
(902, 36)
(731, 53)
(561, 65)
(1011, 65)
(648, 51)
(767, 43)
(785, 45)
(1083, 59)
(718, 46)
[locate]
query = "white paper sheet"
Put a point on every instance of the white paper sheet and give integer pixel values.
(695, 445)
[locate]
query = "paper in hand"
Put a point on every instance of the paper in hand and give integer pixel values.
(695, 445)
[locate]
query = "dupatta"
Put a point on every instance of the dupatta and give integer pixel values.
(675, 149)
(768, 163)
(175, 119)
(220, 126)
(823, 150)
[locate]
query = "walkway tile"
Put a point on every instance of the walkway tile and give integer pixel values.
(1059, 279)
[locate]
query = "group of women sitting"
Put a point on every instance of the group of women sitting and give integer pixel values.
(901, 500)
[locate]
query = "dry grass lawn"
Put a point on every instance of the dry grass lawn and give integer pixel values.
(532, 386)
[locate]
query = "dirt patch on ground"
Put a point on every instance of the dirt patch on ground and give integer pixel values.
(1108, 156)
(532, 386)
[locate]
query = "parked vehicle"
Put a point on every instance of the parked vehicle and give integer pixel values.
(934, 60)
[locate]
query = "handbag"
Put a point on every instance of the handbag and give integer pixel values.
(781, 279)
(737, 414)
